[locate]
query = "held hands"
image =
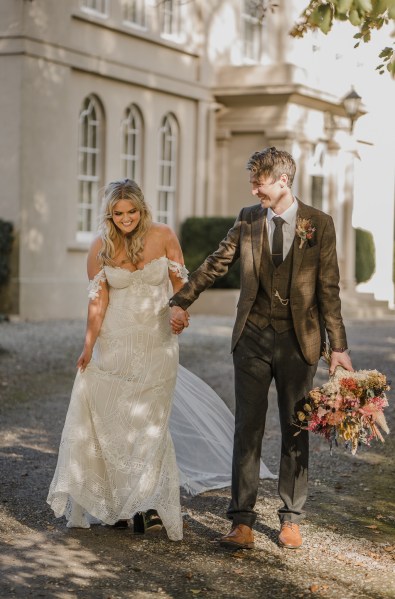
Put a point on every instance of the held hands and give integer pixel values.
(340, 359)
(84, 359)
(179, 319)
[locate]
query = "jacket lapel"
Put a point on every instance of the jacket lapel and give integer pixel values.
(258, 220)
(303, 212)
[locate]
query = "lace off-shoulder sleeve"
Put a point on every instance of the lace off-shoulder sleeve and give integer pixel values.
(179, 269)
(94, 284)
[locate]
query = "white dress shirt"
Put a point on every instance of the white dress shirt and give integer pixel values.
(289, 226)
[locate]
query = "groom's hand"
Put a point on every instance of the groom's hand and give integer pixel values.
(179, 319)
(340, 359)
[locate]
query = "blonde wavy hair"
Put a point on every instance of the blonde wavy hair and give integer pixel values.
(112, 238)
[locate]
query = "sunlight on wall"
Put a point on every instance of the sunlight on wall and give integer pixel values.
(34, 240)
(336, 66)
(222, 34)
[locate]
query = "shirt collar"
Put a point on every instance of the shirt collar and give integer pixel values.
(289, 215)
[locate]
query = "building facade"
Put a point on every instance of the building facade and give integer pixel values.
(174, 95)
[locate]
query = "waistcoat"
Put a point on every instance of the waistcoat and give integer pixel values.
(268, 309)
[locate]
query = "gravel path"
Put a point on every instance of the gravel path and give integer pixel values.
(349, 531)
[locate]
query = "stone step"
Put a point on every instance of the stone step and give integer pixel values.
(223, 302)
(365, 305)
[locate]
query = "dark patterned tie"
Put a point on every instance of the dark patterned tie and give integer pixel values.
(277, 245)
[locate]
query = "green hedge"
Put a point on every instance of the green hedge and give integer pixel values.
(365, 255)
(200, 237)
(6, 231)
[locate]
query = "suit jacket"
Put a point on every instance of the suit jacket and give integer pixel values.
(314, 295)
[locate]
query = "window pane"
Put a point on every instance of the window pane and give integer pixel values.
(98, 6)
(252, 32)
(170, 17)
(89, 165)
(317, 191)
(132, 135)
(168, 139)
(134, 11)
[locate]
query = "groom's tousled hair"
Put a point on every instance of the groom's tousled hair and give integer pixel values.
(273, 163)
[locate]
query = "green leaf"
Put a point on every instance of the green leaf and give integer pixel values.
(322, 16)
(355, 19)
(343, 6)
(363, 5)
(387, 51)
(316, 17)
(380, 7)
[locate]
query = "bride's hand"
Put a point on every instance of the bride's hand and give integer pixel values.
(179, 319)
(84, 359)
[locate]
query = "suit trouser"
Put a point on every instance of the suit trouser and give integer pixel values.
(260, 356)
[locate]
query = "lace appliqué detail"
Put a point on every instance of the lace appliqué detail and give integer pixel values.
(94, 284)
(180, 270)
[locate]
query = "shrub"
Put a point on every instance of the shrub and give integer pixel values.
(200, 237)
(6, 230)
(365, 255)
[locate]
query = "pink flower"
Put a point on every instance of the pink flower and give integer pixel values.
(369, 410)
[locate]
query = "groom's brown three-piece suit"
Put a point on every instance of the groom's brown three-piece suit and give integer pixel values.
(279, 333)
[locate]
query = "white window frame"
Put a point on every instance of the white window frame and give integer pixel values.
(89, 168)
(317, 172)
(132, 136)
(168, 152)
(170, 19)
(135, 13)
(95, 7)
(251, 34)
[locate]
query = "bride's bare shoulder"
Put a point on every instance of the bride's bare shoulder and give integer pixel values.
(95, 247)
(161, 231)
(96, 244)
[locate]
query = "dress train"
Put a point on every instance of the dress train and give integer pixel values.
(202, 428)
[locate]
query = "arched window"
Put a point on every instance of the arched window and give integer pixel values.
(132, 144)
(168, 156)
(89, 166)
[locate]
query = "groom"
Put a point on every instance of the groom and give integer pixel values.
(289, 296)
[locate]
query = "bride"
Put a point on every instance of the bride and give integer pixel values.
(117, 458)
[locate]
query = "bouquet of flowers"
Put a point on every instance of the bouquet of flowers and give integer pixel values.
(349, 407)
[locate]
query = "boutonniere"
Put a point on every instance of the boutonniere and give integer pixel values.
(305, 230)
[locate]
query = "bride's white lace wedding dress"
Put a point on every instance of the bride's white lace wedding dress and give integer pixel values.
(116, 455)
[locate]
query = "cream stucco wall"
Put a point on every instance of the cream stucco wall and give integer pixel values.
(48, 73)
(53, 55)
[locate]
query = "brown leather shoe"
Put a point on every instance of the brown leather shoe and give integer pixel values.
(290, 536)
(240, 537)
